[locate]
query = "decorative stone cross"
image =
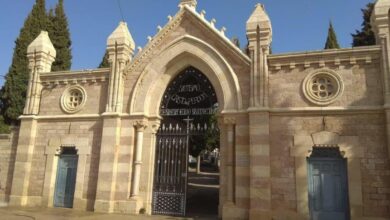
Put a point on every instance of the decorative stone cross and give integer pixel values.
(191, 3)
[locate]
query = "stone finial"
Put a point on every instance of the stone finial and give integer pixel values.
(259, 19)
(120, 48)
(121, 37)
(41, 55)
(41, 49)
(42, 44)
(191, 3)
(380, 18)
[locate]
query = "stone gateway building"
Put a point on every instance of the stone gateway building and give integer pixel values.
(302, 135)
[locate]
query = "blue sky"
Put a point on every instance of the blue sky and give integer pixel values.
(298, 25)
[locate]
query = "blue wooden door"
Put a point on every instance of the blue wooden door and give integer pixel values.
(328, 189)
(66, 181)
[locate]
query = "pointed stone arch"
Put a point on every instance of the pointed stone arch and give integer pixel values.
(181, 53)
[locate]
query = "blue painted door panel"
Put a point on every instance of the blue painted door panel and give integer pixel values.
(66, 181)
(328, 189)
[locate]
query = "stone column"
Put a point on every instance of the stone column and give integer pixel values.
(230, 129)
(41, 54)
(108, 162)
(260, 174)
(120, 47)
(222, 170)
(23, 160)
(149, 168)
(140, 127)
(229, 208)
(380, 22)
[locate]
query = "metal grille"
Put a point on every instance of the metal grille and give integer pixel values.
(169, 203)
(170, 176)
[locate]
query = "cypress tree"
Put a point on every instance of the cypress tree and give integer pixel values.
(365, 36)
(331, 41)
(60, 37)
(13, 94)
(104, 63)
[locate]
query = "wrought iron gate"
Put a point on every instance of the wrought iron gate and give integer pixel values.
(171, 166)
(170, 178)
(190, 94)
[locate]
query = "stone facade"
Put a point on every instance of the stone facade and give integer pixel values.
(8, 144)
(273, 108)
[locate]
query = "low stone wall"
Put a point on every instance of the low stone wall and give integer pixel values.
(8, 144)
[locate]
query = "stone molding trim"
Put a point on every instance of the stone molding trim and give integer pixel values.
(323, 86)
(179, 54)
(228, 120)
(74, 77)
(350, 148)
(73, 99)
(55, 144)
(348, 56)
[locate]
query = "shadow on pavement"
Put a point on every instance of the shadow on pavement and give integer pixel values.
(203, 194)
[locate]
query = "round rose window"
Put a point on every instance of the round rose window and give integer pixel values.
(323, 87)
(73, 99)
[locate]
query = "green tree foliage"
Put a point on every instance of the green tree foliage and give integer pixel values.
(365, 36)
(212, 135)
(13, 94)
(59, 35)
(331, 41)
(4, 128)
(209, 141)
(104, 63)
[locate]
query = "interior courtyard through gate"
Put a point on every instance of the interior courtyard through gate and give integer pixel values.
(302, 135)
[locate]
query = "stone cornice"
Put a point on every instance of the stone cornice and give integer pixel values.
(231, 115)
(74, 77)
(327, 110)
(337, 57)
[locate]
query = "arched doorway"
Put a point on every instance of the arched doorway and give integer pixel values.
(188, 128)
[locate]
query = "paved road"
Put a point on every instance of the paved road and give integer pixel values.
(69, 214)
(202, 205)
(202, 196)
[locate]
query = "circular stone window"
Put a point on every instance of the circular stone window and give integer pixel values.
(73, 99)
(323, 87)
